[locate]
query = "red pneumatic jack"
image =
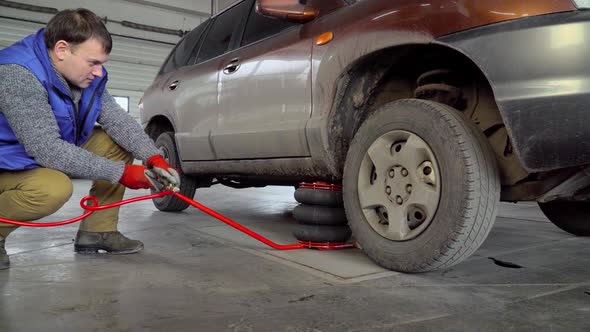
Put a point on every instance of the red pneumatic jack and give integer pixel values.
(95, 207)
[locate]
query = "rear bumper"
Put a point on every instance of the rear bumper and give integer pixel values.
(539, 69)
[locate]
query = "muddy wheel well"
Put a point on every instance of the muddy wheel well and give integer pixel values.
(432, 72)
(158, 125)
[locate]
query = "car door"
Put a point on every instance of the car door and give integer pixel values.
(265, 93)
(196, 87)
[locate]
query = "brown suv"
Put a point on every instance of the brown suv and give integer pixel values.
(427, 112)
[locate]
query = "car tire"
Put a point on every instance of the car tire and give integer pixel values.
(456, 186)
(319, 215)
(572, 217)
(318, 197)
(188, 184)
(311, 233)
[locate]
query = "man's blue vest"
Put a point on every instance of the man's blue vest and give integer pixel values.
(31, 53)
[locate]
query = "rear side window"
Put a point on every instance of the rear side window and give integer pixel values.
(185, 51)
(259, 27)
(220, 35)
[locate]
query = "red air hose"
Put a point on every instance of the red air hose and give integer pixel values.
(89, 210)
(95, 207)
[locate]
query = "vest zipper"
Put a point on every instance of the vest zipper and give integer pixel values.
(81, 125)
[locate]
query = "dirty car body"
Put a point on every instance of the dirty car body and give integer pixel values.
(254, 100)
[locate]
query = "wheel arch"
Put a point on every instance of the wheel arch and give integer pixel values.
(391, 74)
(158, 125)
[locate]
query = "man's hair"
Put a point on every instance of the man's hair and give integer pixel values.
(76, 26)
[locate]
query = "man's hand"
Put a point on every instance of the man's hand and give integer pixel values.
(165, 173)
(134, 177)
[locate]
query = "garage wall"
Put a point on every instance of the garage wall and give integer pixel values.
(137, 54)
(219, 5)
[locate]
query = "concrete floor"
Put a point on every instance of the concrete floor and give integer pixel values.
(196, 274)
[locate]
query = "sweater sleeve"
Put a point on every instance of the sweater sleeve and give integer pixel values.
(124, 129)
(24, 103)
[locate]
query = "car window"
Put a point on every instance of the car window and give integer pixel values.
(220, 34)
(184, 52)
(259, 27)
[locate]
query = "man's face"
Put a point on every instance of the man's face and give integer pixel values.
(81, 64)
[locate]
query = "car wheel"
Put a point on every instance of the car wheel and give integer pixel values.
(319, 215)
(572, 217)
(421, 186)
(188, 184)
(318, 197)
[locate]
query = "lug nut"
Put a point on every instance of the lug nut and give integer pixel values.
(388, 190)
(391, 173)
(399, 200)
(404, 172)
(409, 189)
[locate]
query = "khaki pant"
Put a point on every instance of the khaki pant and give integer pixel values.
(37, 193)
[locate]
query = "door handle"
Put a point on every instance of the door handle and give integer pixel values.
(232, 67)
(173, 85)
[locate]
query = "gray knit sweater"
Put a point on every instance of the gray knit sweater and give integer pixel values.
(24, 102)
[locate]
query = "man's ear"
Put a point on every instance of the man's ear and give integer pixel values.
(61, 49)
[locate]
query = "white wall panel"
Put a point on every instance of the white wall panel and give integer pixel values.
(11, 31)
(219, 5)
(120, 10)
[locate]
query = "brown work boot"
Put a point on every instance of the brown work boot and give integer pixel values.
(4, 261)
(111, 242)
